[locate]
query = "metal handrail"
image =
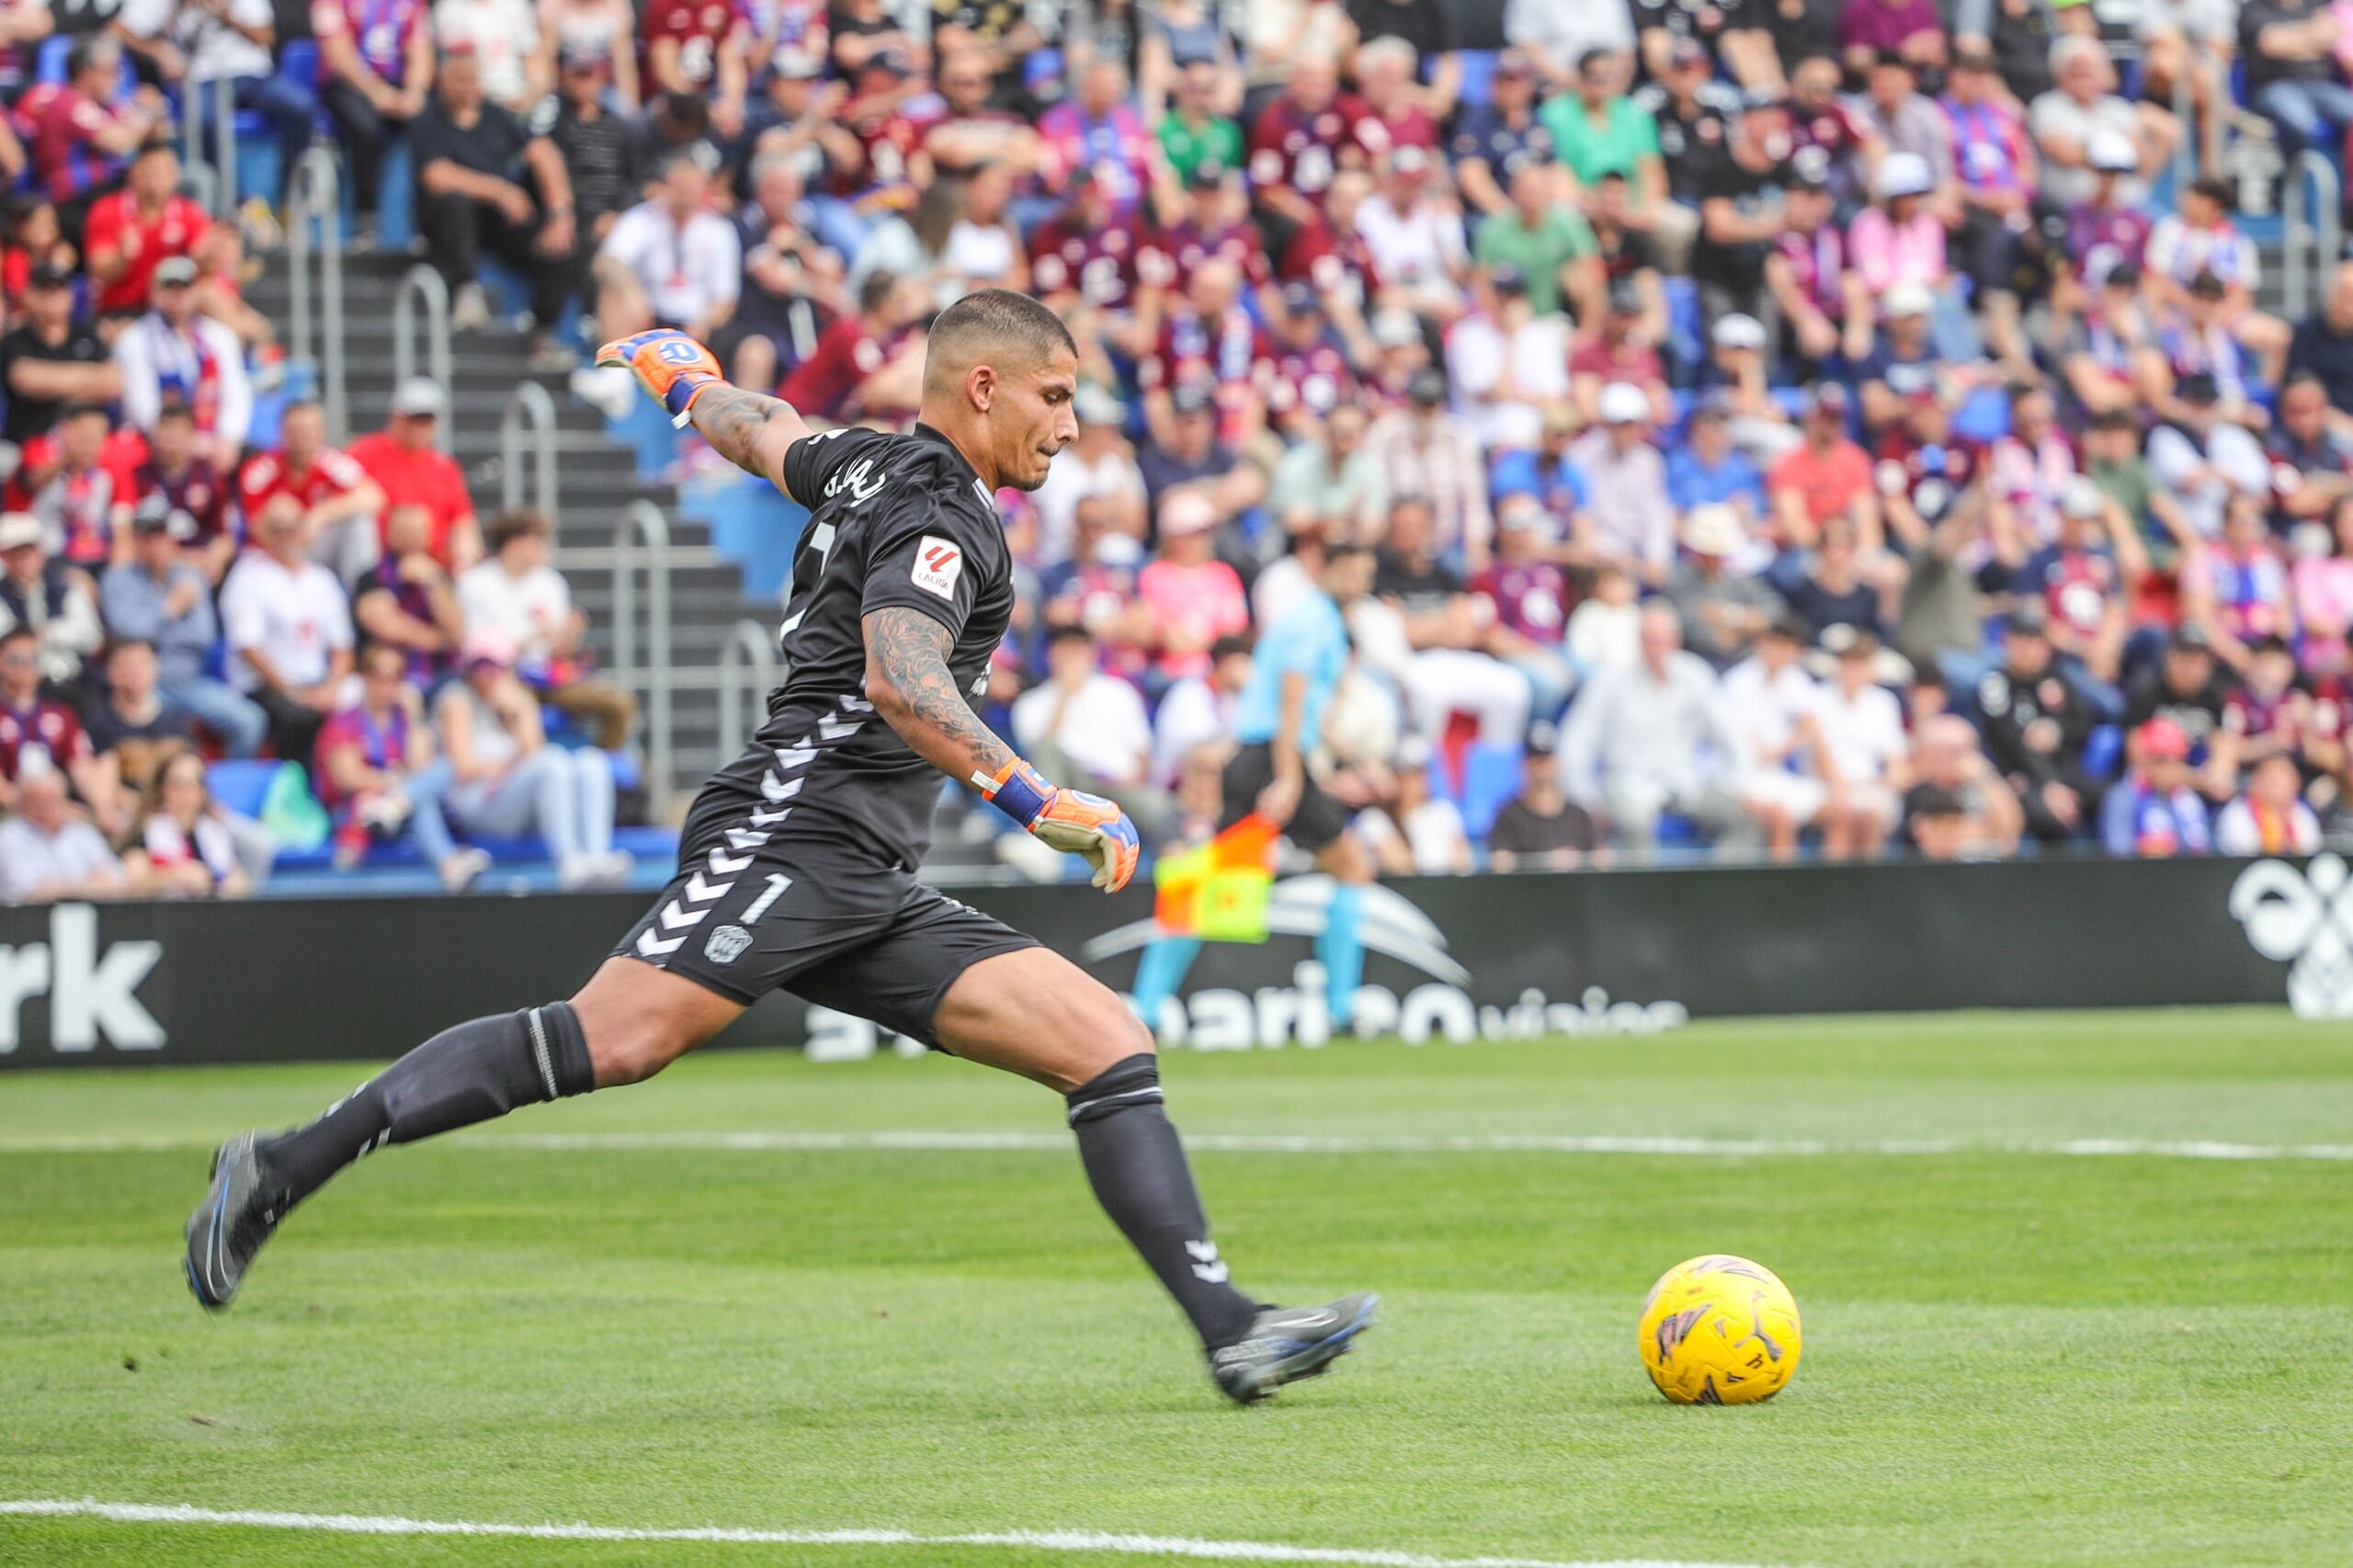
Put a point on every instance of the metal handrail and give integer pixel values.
(530, 406)
(2297, 228)
(423, 283)
(643, 520)
(222, 190)
(2188, 148)
(757, 645)
(312, 198)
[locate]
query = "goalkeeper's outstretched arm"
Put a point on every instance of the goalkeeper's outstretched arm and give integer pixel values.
(748, 429)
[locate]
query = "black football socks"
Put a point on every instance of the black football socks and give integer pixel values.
(473, 1073)
(1137, 1166)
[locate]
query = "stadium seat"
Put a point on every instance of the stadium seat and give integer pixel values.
(1491, 772)
(240, 783)
(1478, 80)
(2104, 751)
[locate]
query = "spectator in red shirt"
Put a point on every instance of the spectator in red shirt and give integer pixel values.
(340, 501)
(861, 360)
(701, 47)
(411, 472)
(132, 230)
(1302, 138)
(32, 724)
(1384, 71)
(1823, 476)
(81, 134)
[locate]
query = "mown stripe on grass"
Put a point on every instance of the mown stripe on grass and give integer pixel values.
(1035, 1541)
(1290, 1143)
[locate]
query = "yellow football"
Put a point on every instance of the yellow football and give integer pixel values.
(1720, 1330)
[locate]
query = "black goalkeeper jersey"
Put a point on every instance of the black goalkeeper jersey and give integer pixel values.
(895, 520)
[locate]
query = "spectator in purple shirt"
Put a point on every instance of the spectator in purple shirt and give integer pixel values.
(1913, 29)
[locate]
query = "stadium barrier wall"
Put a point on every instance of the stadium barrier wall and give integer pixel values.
(1447, 959)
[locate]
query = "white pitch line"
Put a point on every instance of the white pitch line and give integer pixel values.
(1036, 1541)
(1288, 1143)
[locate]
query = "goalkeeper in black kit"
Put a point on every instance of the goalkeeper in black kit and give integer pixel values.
(797, 863)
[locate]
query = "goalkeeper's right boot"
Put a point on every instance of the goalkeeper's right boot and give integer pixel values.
(1285, 1345)
(239, 1212)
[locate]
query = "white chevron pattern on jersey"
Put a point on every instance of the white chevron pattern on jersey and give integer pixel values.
(782, 782)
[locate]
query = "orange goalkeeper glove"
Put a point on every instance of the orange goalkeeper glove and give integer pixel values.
(1067, 820)
(673, 368)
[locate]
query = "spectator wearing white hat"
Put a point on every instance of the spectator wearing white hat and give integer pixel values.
(410, 469)
(1627, 517)
(175, 352)
(1651, 738)
(1723, 609)
(45, 595)
(2081, 102)
(2110, 226)
(1902, 365)
(1898, 240)
(1736, 382)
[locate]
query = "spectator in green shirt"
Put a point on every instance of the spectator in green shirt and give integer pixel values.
(1598, 129)
(1551, 245)
(1190, 133)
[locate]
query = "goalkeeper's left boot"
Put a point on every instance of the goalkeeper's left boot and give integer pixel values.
(1285, 1345)
(240, 1211)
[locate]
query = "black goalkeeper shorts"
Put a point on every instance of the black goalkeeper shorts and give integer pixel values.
(750, 912)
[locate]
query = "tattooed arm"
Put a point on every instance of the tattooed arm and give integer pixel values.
(748, 429)
(907, 681)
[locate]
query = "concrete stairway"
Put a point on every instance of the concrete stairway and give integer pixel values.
(597, 481)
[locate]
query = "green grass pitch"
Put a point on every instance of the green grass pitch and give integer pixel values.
(2014, 1355)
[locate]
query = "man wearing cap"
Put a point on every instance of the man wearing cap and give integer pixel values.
(136, 228)
(1723, 609)
(160, 597)
(1740, 187)
(2037, 722)
(1690, 108)
(599, 147)
(1541, 829)
(2082, 104)
(486, 182)
(2109, 227)
(46, 595)
(375, 70)
(1493, 138)
(50, 359)
(2152, 812)
(1627, 518)
(1308, 370)
(410, 469)
(173, 351)
(1549, 243)
(1900, 368)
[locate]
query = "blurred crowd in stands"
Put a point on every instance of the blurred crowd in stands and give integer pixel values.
(1784, 426)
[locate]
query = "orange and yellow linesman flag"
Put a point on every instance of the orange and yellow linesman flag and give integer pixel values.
(1218, 891)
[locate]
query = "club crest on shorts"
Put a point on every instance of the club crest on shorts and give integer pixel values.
(726, 944)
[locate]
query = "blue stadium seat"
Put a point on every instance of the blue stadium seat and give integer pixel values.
(1984, 416)
(240, 783)
(2104, 751)
(1478, 84)
(1491, 772)
(1685, 328)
